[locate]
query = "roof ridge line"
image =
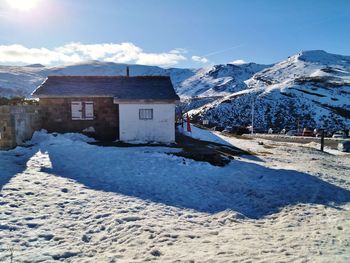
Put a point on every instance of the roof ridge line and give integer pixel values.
(101, 76)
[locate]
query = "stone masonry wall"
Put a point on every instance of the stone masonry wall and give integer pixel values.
(58, 117)
(17, 124)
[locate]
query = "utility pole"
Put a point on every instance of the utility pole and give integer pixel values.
(298, 126)
(253, 116)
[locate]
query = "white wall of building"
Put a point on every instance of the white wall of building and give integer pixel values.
(160, 129)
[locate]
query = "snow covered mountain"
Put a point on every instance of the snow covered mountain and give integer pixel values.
(218, 80)
(311, 88)
(21, 81)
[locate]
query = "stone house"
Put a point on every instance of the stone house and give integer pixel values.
(138, 108)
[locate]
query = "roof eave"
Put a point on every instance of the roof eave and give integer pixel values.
(115, 100)
(70, 96)
(146, 101)
(37, 88)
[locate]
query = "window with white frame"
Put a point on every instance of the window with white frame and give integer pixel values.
(82, 110)
(146, 114)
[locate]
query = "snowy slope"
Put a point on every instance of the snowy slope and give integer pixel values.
(19, 81)
(219, 80)
(311, 88)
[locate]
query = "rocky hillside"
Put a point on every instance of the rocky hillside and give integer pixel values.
(219, 80)
(311, 88)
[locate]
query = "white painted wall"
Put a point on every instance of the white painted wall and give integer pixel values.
(160, 129)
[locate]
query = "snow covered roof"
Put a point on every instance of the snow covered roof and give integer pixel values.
(119, 87)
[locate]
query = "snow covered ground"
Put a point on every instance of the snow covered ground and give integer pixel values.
(63, 199)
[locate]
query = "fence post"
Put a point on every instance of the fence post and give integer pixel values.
(322, 140)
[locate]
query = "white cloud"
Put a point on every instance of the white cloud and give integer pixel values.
(238, 62)
(178, 51)
(200, 59)
(162, 59)
(77, 52)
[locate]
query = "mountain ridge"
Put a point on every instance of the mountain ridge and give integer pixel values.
(312, 86)
(311, 89)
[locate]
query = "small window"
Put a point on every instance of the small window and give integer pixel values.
(146, 114)
(88, 110)
(82, 110)
(77, 110)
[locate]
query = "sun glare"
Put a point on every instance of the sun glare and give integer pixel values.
(24, 5)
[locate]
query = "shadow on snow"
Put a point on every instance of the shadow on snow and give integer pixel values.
(148, 173)
(13, 162)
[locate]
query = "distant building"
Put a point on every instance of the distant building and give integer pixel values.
(122, 108)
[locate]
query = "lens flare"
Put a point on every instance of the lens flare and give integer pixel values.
(23, 5)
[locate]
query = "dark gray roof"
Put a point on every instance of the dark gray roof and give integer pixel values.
(119, 87)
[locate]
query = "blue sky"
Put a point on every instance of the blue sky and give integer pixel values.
(181, 33)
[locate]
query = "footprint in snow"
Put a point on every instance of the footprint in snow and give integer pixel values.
(102, 215)
(156, 253)
(33, 225)
(64, 255)
(86, 238)
(47, 237)
(132, 218)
